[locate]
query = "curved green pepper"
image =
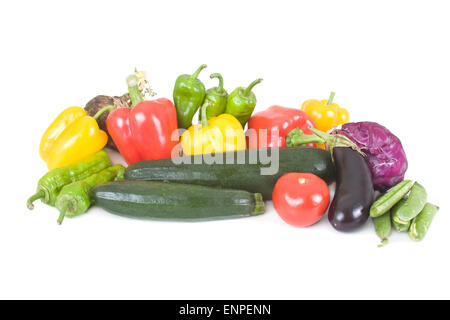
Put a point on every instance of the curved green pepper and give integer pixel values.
(217, 97)
(75, 198)
(241, 102)
(188, 96)
(50, 184)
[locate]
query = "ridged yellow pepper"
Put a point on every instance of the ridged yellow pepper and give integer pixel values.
(326, 114)
(72, 136)
(219, 134)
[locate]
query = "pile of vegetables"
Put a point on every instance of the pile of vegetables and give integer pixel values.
(182, 171)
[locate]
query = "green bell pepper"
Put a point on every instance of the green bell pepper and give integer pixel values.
(188, 96)
(241, 102)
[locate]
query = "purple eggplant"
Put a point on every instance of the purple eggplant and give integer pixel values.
(354, 190)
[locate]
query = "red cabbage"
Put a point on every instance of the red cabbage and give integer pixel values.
(384, 152)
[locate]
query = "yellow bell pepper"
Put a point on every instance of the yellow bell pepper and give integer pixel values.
(223, 133)
(326, 114)
(72, 136)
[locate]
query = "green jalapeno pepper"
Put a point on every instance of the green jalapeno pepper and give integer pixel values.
(217, 97)
(421, 223)
(241, 102)
(188, 96)
(51, 183)
(75, 198)
(383, 227)
(384, 203)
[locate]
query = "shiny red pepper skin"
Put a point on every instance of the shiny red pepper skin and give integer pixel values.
(278, 121)
(145, 131)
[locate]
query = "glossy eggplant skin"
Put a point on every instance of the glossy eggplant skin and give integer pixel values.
(354, 190)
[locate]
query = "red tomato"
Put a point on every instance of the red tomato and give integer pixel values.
(301, 199)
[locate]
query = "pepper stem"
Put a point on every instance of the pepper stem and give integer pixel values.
(67, 205)
(204, 118)
(330, 99)
(38, 195)
(218, 76)
(107, 108)
(250, 87)
(133, 90)
(61, 217)
(197, 72)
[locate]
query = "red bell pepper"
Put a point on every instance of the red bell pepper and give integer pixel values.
(145, 131)
(277, 122)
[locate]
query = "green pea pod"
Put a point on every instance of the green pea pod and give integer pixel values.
(401, 227)
(51, 183)
(383, 227)
(399, 224)
(188, 96)
(384, 203)
(75, 198)
(421, 223)
(241, 102)
(217, 97)
(410, 208)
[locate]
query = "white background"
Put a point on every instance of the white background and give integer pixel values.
(388, 62)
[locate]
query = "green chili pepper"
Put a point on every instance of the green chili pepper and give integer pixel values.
(75, 198)
(241, 102)
(384, 203)
(50, 184)
(411, 207)
(422, 222)
(217, 97)
(188, 96)
(383, 227)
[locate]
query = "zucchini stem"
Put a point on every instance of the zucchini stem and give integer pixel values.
(259, 205)
(38, 195)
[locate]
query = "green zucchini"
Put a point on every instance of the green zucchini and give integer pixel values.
(246, 176)
(175, 201)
